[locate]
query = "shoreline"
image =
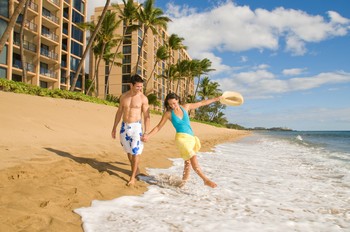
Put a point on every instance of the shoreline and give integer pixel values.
(57, 155)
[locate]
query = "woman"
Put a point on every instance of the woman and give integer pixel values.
(187, 143)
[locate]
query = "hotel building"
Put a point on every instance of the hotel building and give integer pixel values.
(119, 76)
(53, 44)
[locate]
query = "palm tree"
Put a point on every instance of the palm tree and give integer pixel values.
(128, 15)
(104, 41)
(91, 41)
(203, 67)
(183, 68)
(161, 55)
(174, 43)
(12, 23)
(21, 42)
(150, 17)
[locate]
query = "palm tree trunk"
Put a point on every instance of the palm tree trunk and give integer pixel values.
(195, 92)
(21, 39)
(139, 56)
(148, 79)
(11, 24)
(92, 38)
(95, 75)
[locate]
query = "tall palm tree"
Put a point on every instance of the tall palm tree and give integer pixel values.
(161, 55)
(128, 15)
(203, 67)
(183, 68)
(174, 43)
(21, 42)
(150, 18)
(104, 41)
(12, 23)
(88, 47)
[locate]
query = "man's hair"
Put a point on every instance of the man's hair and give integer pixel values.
(136, 79)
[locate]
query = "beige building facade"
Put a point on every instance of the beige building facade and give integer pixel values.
(53, 43)
(119, 76)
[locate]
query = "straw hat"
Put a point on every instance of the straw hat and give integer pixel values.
(231, 98)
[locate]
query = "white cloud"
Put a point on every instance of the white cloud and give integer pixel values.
(293, 71)
(264, 84)
(230, 27)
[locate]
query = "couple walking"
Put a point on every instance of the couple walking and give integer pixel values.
(133, 104)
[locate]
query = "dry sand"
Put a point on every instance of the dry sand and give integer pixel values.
(57, 155)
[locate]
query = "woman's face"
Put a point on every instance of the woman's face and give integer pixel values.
(173, 103)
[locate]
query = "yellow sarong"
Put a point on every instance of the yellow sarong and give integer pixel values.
(187, 144)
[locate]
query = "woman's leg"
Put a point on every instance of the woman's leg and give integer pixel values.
(186, 173)
(197, 169)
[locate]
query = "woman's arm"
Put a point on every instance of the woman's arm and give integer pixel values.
(157, 128)
(191, 106)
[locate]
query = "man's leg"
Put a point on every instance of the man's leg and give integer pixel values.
(197, 169)
(134, 169)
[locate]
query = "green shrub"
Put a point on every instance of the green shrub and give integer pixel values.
(20, 87)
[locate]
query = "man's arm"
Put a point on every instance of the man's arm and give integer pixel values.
(146, 115)
(117, 119)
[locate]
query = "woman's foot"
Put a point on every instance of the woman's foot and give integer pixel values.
(210, 183)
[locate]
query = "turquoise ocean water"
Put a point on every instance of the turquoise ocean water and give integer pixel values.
(270, 181)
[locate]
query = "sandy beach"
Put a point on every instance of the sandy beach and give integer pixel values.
(58, 155)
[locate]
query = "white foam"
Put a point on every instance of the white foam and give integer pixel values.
(263, 185)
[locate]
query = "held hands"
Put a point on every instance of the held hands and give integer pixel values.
(144, 138)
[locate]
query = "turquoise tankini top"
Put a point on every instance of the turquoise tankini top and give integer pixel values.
(181, 125)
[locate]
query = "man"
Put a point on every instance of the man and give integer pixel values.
(133, 104)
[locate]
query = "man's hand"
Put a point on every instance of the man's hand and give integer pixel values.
(113, 133)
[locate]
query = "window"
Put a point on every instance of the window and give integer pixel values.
(127, 59)
(126, 68)
(3, 25)
(79, 81)
(44, 84)
(74, 62)
(79, 5)
(3, 73)
(76, 49)
(126, 49)
(3, 56)
(77, 33)
(77, 18)
(4, 8)
(17, 78)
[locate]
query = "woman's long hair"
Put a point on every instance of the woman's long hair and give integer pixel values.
(168, 97)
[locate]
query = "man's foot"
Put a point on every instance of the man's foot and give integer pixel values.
(131, 182)
(210, 183)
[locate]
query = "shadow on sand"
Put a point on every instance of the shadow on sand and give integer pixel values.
(98, 165)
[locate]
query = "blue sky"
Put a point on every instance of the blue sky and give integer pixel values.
(289, 59)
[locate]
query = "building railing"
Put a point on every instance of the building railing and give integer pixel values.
(26, 45)
(47, 53)
(33, 6)
(48, 73)
(56, 2)
(50, 35)
(50, 16)
(18, 64)
(28, 24)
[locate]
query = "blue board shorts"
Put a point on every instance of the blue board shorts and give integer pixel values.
(130, 137)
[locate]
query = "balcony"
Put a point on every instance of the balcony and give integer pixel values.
(18, 64)
(50, 35)
(51, 17)
(33, 6)
(47, 73)
(49, 54)
(56, 2)
(28, 24)
(26, 45)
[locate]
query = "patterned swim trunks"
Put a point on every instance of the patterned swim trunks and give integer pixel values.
(130, 137)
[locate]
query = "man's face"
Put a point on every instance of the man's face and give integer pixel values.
(137, 87)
